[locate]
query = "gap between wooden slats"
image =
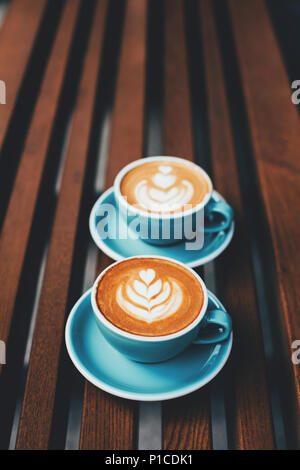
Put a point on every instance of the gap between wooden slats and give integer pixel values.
(107, 421)
(3, 11)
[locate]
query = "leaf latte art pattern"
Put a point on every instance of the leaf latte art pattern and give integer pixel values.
(147, 298)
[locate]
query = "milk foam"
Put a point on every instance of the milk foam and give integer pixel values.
(147, 298)
(166, 193)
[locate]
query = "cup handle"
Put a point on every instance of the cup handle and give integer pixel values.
(213, 212)
(215, 327)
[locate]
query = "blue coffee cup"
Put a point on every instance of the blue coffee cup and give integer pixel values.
(210, 326)
(212, 214)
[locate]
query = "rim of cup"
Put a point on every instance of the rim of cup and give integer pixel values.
(134, 336)
(141, 161)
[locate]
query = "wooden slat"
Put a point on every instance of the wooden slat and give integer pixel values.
(16, 227)
(249, 396)
(177, 111)
(39, 395)
(275, 131)
(186, 422)
(108, 422)
(16, 41)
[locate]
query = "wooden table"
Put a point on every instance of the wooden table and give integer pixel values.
(91, 86)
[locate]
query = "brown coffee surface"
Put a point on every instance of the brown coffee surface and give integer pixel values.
(165, 186)
(149, 296)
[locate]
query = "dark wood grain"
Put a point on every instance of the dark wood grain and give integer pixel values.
(247, 377)
(40, 389)
(16, 227)
(16, 41)
(274, 127)
(107, 421)
(186, 422)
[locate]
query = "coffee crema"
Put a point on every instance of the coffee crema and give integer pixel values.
(149, 296)
(165, 186)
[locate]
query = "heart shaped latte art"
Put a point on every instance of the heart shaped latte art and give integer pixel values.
(167, 192)
(163, 181)
(147, 276)
(162, 196)
(149, 299)
(165, 169)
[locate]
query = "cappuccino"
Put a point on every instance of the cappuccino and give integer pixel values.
(149, 296)
(168, 184)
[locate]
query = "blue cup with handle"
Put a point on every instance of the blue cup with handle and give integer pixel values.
(209, 327)
(211, 214)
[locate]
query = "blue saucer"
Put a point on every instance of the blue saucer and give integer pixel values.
(118, 249)
(109, 370)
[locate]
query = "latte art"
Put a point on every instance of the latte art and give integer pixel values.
(148, 298)
(165, 186)
(168, 193)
